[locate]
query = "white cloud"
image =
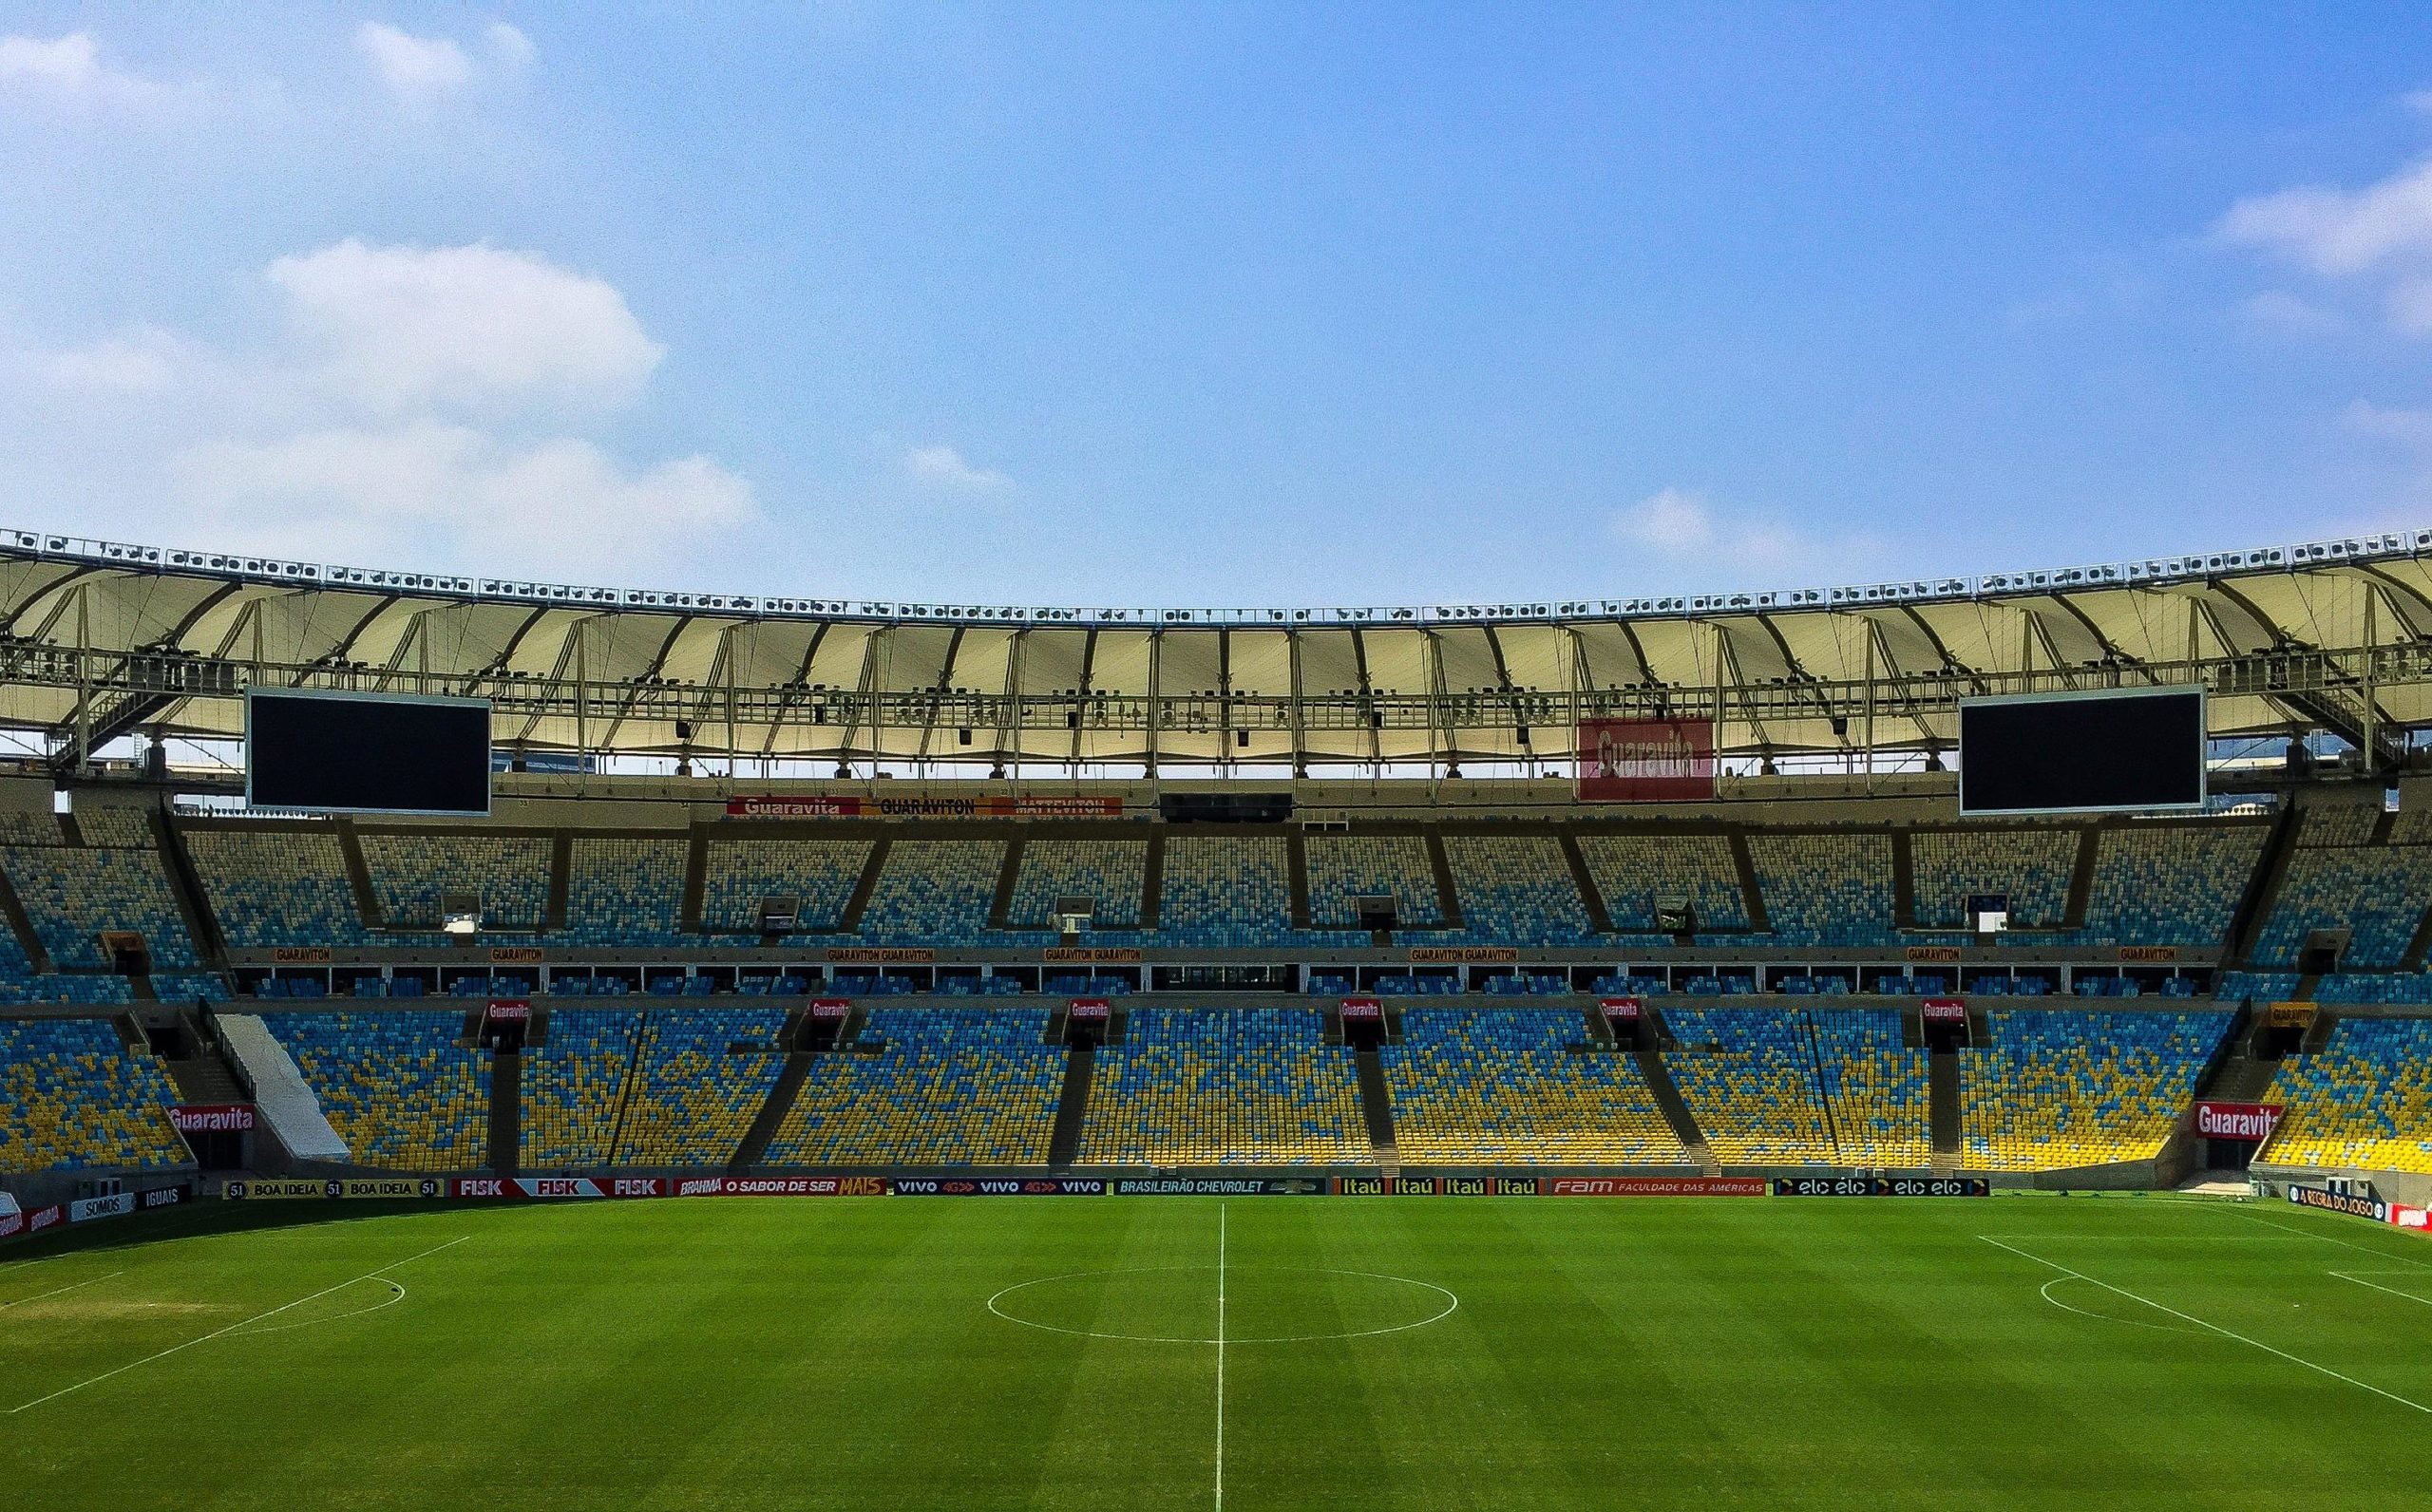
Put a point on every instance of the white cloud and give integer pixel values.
(146, 361)
(2340, 231)
(415, 67)
(69, 66)
(427, 490)
(403, 326)
(1733, 547)
(944, 467)
(511, 46)
(2419, 100)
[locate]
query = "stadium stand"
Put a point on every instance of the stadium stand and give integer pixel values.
(272, 887)
(1874, 1087)
(574, 1085)
(411, 871)
(1491, 1085)
(948, 1086)
(1343, 868)
(694, 1094)
(1516, 890)
(396, 1084)
(2379, 892)
(1632, 871)
(818, 874)
(1204, 1086)
(934, 891)
(2167, 884)
(2058, 1089)
(1751, 1080)
(1110, 873)
(625, 892)
(2031, 866)
(2363, 1101)
(73, 1097)
(72, 894)
(1833, 889)
(1228, 890)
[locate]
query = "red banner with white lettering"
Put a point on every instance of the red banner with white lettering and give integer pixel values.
(2251, 1123)
(213, 1118)
(1646, 761)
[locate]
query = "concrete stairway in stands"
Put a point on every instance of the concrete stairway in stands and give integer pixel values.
(1072, 1105)
(506, 1112)
(1684, 1124)
(1942, 1084)
(772, 1116)
(1376, 1108)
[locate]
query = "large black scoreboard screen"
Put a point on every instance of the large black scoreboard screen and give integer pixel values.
(2078, 753)
(365, 753)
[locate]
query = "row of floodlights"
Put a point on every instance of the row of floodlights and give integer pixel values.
(2151, 571)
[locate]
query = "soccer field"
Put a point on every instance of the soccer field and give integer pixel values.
(1186, 1352)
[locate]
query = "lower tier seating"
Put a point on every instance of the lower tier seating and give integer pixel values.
(72, 1096)
(2364, 1101)
(574, 1087)
(396, 1086)
(947, 1086)
(2057, 1090)
(1748, 1078)
(1501, 1086)
(703, 1076)
(1244, 1086)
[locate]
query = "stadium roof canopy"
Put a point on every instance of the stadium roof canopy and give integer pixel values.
(99, 639)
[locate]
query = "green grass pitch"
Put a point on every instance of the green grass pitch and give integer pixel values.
(1394, 1354)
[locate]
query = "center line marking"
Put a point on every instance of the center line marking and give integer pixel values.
(2215, 1328)
(231, 1328)
(56, 1290)
(1220, 1357)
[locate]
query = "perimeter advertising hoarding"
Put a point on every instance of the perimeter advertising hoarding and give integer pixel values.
(997, 1186)
(2330, 1202)
(546, 1187)
(780, 1186)
(848, 806)
(1219, 1186)
(1655, 1186)
(84, 1209)
(2248, 1122)
(1646, 761)
(1882, 1186)
(288, 1188)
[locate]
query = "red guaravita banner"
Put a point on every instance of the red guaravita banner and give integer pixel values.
(1363, 1009)
(1090, 1009)
(1646, 761)
(510, 1009)
(2250, 1122)
(1625, 1009)
(213, 1118)
(1945, 1010)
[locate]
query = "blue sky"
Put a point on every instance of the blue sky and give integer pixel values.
(1216, 305)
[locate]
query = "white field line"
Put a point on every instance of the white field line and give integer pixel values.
(2101, 1317)
(2215, 1328)
(2351, 1276)
(231, 1328)
(2310, 1233)
(56, 1290)
(397, 1294)
(1220, 1357)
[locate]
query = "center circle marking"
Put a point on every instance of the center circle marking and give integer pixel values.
(1452, 1303)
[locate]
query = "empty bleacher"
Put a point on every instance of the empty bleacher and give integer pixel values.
(695, 1093)
(1632, 871)
(935, 892)
(274, 887)
(1227, 891)
(951, 1086)
(1517, 890)
(2058, 1089)
(2363, 1101)
(72, 894)
(1206, 1086)
(394, 1085)
(2167, 884)
(1343, 868)
(1500, 1086)
(411, 871)
(2032, 867)
(820, 875)
(574, 1087)
(625, 891)
(1826, 889)
(1112, 874)
(1875, 1087)
(73, 1097)
(1749, 1077)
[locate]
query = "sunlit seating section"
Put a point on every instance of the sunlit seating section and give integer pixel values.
(2363, 1101)
(1224, 1086)
(625, 892)
(1632, 871)
(2168, 884)
(2058, 1089)
(1111, 873)
(574, 1087)
(704, 1076)
(1826, 889)
(1344, 868)
(1226, 891)
(935, 892)
(72, 894)
(72, 1096)
(275, 887)
(2032, 867)
(395, 1086)
(1500, 1086)
(2377, 893)
(818, 874)
(1876, 1089)
(952, 1086)
(411, 871)
(1748, 1078)
(1517, 890)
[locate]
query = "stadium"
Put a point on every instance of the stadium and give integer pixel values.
(1523, 1043)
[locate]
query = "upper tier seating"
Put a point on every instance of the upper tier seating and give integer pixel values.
(1517, 890)
(73, 894)
(1204, 1086)
(1632, 871)
(272, 887)
(1343, 868)
(2379, 892)
(574, 1087)
(935, 892)
(2056, 1088)
(395, 1085)
(1498, 1085)
(952, 1086)
(818, 874)
(1832, 888)
(1748, 1076)
(2363, 1101)
(625, 892)
(2167, 884)
(1112, 874)
(2032, 867)
(1226, 890)
(695, 1095)
(72, 1096)
(411, 871)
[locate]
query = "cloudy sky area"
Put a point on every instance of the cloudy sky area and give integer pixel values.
(1223, 305)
